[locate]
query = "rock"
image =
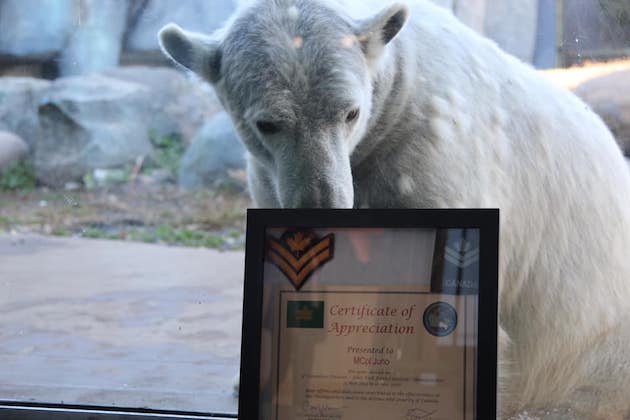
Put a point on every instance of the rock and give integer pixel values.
(90, 122)
(607, 97)
(195, 15)
(215, 153)
(35, 28)
(19, 99)
(512, 25)
(177, 104)
(101, 120)
(95, 44)
(12, 148)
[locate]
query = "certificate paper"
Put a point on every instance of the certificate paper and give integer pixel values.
(379, 352)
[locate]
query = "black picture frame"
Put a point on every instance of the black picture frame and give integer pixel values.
(259, 220)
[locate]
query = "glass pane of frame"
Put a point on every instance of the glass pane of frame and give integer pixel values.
(369, 322)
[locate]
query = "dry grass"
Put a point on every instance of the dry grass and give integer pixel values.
(201, 218)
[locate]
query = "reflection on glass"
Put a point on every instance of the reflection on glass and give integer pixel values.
(111, 160)
(383, 327)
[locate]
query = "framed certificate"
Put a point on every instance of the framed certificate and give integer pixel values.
(380, 314)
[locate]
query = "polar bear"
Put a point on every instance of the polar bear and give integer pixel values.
(363, 104)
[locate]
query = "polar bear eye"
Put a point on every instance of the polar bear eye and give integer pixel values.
(267, 127)
(352, 115)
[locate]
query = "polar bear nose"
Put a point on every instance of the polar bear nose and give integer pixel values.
(318, 195)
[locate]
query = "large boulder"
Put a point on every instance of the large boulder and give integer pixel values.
(12, 148)
(95, 43)
(19, 100)
(78, 124)
(35, 28)
(177, 104)
(196, 15)
(90, 122)
(215, 158)
(608, 98)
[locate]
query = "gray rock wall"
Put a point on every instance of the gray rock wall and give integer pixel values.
(85, 36)
(96, 43)
(35, 28)
(196, 15)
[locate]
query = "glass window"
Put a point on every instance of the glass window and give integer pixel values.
(123, 189)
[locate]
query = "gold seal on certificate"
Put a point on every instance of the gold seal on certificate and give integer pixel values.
(389, 316)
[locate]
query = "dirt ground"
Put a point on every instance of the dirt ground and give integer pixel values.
(163, 214)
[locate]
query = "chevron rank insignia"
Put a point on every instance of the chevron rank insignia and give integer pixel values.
(298, 253)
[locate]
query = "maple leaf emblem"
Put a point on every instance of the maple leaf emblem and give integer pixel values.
(304, 314)
(299, 241)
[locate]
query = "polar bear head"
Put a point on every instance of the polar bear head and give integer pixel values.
(296, 77)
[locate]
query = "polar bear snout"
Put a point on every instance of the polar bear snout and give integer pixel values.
(314, 189)
(318, 178)
(318, 195)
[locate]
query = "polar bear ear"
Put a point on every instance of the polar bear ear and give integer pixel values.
(198, 53)
(376, 32)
